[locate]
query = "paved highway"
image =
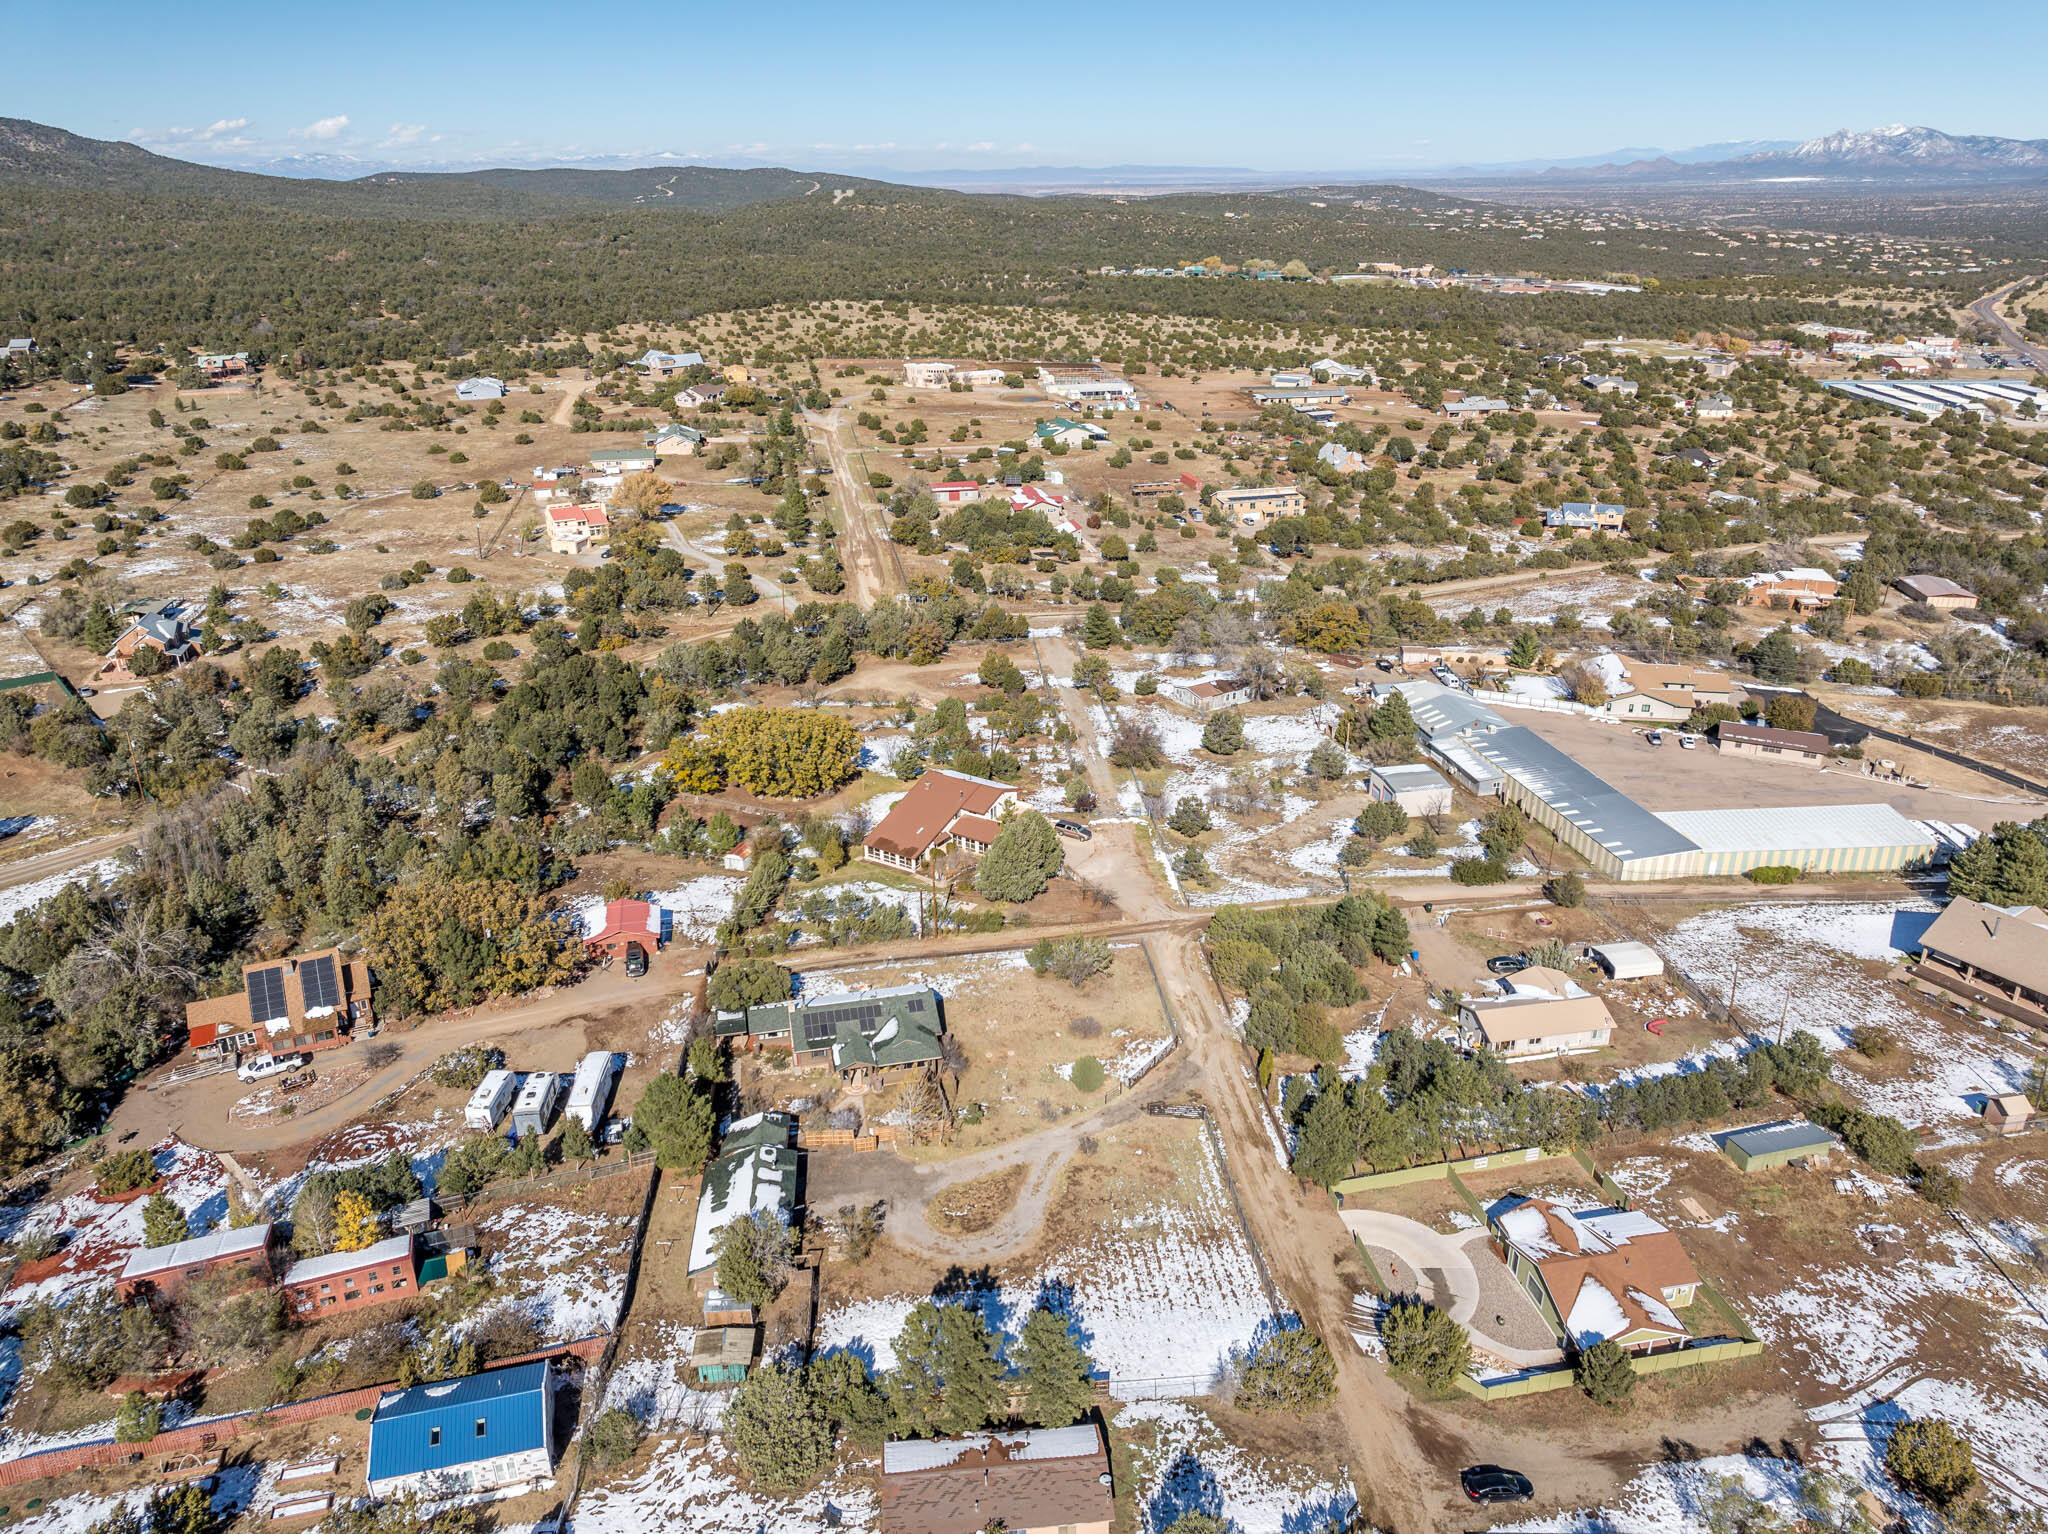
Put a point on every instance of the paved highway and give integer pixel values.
(1986, 309)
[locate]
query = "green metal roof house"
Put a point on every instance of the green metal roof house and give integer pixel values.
(1775, 1145)
(754, 1173)
(854, 1033)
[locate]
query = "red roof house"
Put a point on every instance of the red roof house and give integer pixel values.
(942, 807)
(628, 921)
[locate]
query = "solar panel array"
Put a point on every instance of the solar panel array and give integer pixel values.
(266, 996)
(317, 980)
(821, 1025)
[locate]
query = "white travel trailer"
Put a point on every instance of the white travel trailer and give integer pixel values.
(493, 1095)
(591, 1092)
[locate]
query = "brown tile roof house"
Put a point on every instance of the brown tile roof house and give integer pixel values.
(940, 807)
(1540, 1012)
(1762, 740)
(1045, 1481)
(312, 1001)
(1598, 1273)
(1980, 947)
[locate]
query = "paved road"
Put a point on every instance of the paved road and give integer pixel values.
(1986, 309)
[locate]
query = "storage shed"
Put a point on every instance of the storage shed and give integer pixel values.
(721, 1354)
(1775, 1145)
(1417, 789)
(2008, 1113)
(1626, 961)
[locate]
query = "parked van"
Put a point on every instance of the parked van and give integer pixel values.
(487, 1104)
(591, 1092)
(534, 1108)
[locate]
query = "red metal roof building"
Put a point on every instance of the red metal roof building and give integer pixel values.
(629, 921)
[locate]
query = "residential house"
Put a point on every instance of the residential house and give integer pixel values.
(313, 1001)
(1291, 378)
(1609, 383)
(1039, 1481)
(1587, 517)
(575, 527)
(1769, 1146)
(482, 387)
(1806, 746)
(660, 364)
(1937, 591)
(1538, 1011)
(1713, 407)
(1341, 458)
(165, 629)
(623, 460)
(628, 921)
(1298, 394)
(20, 346)
(1474, 404)
(927, 375)
(956, 492)
(1330, 370)
(754, 1173)
(1071, 434)
(1417, 789)
(1699, 458)
(862, 1035)
(697, 396)
(1598, 1275)
(1667, 694)
(980, 378)
(489, 1432)
(1996, 955)
(375, 1275)
(222, 364)
(941, 808)
(676, 437)
(1801, 588)
(1203, 697)
(1087, 385)
(2008, 1113)
(1253, 506)
(1036, 498)
(243, 1256)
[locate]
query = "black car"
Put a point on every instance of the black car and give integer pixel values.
(636, 960)
(1490, 1483)
(1507, 963)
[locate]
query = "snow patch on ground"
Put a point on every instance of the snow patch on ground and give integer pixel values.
(1191, 1467)
(23, 898)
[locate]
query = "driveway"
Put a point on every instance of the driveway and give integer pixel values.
(1432, 1264)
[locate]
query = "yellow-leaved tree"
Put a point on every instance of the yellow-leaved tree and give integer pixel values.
(438, 943)
(785, 753)
(355, 1221)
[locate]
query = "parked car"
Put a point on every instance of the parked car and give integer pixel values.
(1688, 742)
(1507, 963)
(1490, 1483)
(1073, 828)
(1654, 737)
(636, 961)
(256, 1067)
(615, 1128)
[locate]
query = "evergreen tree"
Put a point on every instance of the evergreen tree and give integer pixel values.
(1223, 734)
(1392, 723)
(1055, 1370)
(1775, 657)
(778, 1429)
(1098, 628)
(835, 655)
(946, 1379)
(1291, 1371)
(1425, 1342)
(1526, 650)
(1606, 1373)
(2008, 867)
(1328, 1143)
(1022, 861)
(163, 1222)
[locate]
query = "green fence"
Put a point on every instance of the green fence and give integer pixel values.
(1614, 1191)
(1538, 1381)
(1471, 1199)
(1436, 1170)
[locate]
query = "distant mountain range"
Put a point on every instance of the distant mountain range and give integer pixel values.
(1896, 153)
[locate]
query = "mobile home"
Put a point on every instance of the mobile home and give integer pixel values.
(534, 1109)
(591, 1092)
(487, 1104)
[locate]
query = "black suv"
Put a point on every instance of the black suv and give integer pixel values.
(1490, 1483)
(636, 960)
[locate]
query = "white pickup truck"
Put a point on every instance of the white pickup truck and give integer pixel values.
(256, 1067)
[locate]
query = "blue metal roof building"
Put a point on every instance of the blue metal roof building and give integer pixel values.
(483, 1432)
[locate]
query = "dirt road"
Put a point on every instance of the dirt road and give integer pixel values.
(61, 860)
(872, 566)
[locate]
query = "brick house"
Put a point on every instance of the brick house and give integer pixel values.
(376, 1275)
(244, 1253)
(310, 1002)
(162, 628)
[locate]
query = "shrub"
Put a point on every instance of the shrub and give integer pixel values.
(464, 1068)
(1568, 890)
(1290, 1371)
(1075, 960)
(1087, 1074)
(612, 1439)
(1772, 873)
(1932, 1460)
(1425, 1342)
(1478, 871)
(125, 1171)
(1606, 1373)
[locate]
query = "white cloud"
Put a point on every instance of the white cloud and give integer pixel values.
(223, 125)
(983, 146)
(325, 128)
(398, 135)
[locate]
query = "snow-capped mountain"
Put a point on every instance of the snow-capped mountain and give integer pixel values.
(1915, 148)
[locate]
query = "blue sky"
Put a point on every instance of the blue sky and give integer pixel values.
(914, 85)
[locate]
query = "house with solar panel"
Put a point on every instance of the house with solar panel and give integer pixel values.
(869, 1037)
(489, 1432)
(310, 1002)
